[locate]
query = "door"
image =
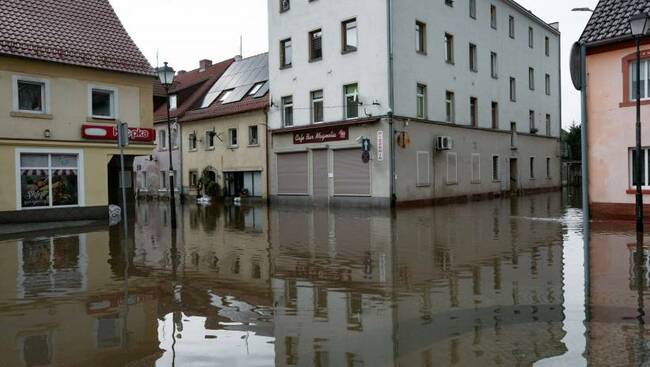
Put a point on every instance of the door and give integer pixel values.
(514, 175)
(320, 174)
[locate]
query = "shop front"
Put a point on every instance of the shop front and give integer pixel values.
(331, 164)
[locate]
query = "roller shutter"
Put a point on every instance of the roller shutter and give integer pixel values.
(320, 174)
(293, 174)
(351, 175)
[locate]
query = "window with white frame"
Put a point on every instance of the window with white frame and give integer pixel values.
(209, 140)
(102, 102)
(253, 138)
(531, 122)
(317, 106)
(351, 98)
(634, 80)
(163, 180)
(493, 16)
(143, 180)
(644, 167)
(494, 65)
(30, 95)
(420, 37)
(531, 37)
(472, 9)
(531, 78)
(496, 170)
(513, 89)
(473, 58)
(421, 101)
(450, 106)
(287, 111)
(232, 138)
(449, 48)
(49, 179)
(547, 84)
(162, 139)
(350, 35)
(532, 168)
(511, 26)
(286, 54)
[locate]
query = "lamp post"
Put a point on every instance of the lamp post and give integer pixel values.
(166, 76)
(639, 26)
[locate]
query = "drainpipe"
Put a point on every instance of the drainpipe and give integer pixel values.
(391, 100)
(266, 146)
(583, 133)
(180, 160)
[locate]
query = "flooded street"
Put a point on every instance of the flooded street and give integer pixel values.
(493, 283)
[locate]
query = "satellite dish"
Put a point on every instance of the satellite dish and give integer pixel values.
(575, 64)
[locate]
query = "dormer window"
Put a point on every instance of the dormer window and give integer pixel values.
(256, 88)
(224, 95)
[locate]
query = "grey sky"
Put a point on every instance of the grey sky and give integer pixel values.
(185, 31)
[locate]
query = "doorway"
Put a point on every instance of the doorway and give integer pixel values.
(514, 176)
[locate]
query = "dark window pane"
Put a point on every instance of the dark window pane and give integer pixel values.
(634, 168)
(35, 189)
(64, 187)
(102, 103)
(30, 96)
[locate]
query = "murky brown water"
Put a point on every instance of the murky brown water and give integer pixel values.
(496, 283)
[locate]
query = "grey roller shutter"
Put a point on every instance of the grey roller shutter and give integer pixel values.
(351, 175)
(320, 174)
(293, 174)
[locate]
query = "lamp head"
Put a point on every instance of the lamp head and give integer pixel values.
(639, 24)
(165, 75)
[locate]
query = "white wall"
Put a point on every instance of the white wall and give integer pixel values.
(368, 66)
(514, 59)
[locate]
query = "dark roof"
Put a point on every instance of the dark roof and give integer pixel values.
(610, 20)
(240, 78)
(203, 80)
(84, 33)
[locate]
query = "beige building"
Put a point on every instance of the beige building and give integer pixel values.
(62, 90)
(224, 135)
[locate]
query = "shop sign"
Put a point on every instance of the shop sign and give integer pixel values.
(380, 145)
(100, 132)
(321, 135)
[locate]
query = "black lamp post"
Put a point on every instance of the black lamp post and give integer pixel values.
(639, 25)
(166, 76)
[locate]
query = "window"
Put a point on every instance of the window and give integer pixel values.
(31, 95)
(49, 179)
(317, 110)
(495, 115)
(548, 167)
(494, 65)
(531, 121)
(472, 9)
(285, 53)
(644, 167)
(253, 138)
(547, 46)
(473, 60)
(143, 181)
(449, 48)
(285, 5)
(532, 168)
(232, 138)
(495, 169)
(209, 140)
(287, 111)
(449, 3)
(351, 94)
(531, 37)
(511, 26)
(102, 102)
(173, 102)
(547, 84)
(162, 139)
(513, 89)
(163, 180)
(256, 88)
(194, 178)
(473, 111)
(450, 106)
(420, 37)
(225, 94)
(513, 134)
(192, 141)
(423, 177)
(476, 168)
(531, 78)
(452, 168)
(493, 16)
(548, 124)
(421, 101)
(315, 45)
(350, 36)
(645, 64)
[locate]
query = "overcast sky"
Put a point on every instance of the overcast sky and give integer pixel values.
(185, 31)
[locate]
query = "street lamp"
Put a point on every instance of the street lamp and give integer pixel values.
(639, 25)
(166, 76)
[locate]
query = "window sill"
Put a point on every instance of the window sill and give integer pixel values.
(253, 145)
(233, 146)
(474, 71)
(316, 59)
(450, 62)
(32, 115)
(104, 120)
(633, 191)
(209, 149)
(192, 150)
(423, 53)
(285, 67)
(348, 51)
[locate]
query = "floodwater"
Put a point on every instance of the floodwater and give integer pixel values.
(495, 283)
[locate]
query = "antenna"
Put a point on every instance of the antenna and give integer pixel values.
(157, 62)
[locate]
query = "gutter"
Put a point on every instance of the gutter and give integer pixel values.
(391, 100)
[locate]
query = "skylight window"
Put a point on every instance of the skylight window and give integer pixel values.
(256, 88)
(225, 95)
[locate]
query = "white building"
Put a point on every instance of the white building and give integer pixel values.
(484, 74)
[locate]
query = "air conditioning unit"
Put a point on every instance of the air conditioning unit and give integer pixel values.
(444, 143)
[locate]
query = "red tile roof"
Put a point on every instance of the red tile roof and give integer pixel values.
(217, 109)
(77, 32)
(195, 78)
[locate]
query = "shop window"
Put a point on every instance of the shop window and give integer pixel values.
(49, 180)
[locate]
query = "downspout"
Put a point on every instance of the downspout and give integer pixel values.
(583, 134)
(266, 147)
(391, 100)
(180, 160)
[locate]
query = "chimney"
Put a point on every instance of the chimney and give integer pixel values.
(181, 72)
(205, 64)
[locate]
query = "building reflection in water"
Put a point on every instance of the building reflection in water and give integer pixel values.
(463, 285)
